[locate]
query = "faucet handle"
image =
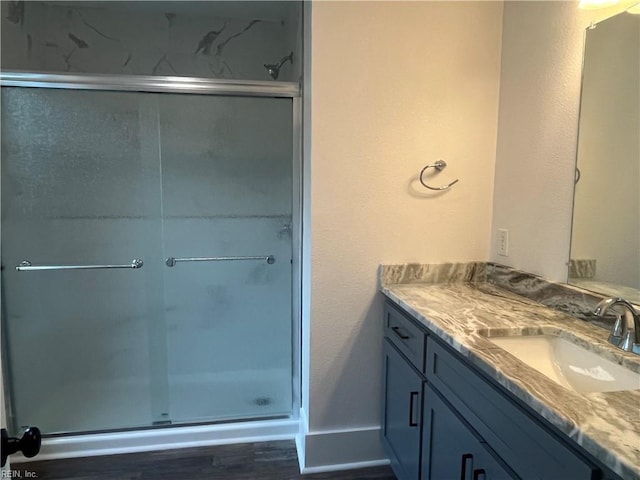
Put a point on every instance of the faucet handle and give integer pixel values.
(628, 341)
(615, 337)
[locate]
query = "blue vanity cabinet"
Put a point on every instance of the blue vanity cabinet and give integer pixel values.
(402, 416)
(452, 449)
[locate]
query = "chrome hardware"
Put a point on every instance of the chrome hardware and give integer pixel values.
(439, 166)
(27, 266)
(274, 69)
(171, 261)
(151, 83)
(625, 333)
(615, 337)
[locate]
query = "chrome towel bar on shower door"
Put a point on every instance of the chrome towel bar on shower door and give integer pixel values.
(171, 261)
(26, 266)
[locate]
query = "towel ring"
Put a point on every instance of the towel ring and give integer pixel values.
(439, 165)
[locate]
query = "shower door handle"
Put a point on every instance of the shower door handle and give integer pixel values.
(171, 261)
(26, 266)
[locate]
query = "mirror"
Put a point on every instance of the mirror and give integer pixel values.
(605, 239)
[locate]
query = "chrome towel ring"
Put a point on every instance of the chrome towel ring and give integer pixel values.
(439, 165)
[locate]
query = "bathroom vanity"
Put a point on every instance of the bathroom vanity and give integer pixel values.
(456, 405)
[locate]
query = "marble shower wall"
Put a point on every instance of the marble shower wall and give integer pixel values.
(146, 39)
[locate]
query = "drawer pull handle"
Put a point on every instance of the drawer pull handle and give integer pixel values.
(478, 472)
(463, 467)
(396, 330)
(412, 398)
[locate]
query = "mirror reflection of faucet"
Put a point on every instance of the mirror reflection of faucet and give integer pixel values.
(625, 333)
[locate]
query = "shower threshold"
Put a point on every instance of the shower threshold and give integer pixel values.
(164, 437)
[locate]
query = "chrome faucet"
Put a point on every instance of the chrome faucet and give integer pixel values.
(625, 333)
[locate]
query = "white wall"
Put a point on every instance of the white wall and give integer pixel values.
(396, 85)
(540, 80)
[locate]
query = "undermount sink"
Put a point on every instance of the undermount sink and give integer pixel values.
(568, 364)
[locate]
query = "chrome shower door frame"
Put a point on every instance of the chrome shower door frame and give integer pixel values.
(196, 86)
(151, 84)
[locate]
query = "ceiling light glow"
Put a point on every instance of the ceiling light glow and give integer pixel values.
(596, 4)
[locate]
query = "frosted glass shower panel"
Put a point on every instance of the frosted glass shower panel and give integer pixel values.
(103, 178)
(80, 186)
(227, 192)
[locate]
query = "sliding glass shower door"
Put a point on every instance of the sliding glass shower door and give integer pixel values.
(227, 203)
(152, 239)
(80, 186)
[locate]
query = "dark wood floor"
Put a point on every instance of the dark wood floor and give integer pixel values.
(259, 461)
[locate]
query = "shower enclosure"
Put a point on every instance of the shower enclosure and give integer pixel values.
(149, 250)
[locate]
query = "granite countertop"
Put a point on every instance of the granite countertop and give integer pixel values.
(466, 303)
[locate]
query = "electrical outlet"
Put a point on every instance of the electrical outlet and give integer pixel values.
(503, 242)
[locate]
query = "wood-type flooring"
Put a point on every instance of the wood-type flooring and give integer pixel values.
(260, 461)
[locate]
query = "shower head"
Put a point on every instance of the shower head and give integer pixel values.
(274, 69)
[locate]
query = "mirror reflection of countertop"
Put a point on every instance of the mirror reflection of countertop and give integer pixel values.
(609, 289)
(461, 304)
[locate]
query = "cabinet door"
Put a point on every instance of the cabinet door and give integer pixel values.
(523, 442)
(402, 414)
(451, 449)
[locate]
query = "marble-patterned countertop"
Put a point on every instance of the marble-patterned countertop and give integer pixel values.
(464, 313)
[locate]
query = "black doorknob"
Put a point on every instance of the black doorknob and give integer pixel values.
(29, 444)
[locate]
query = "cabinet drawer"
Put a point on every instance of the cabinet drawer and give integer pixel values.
(525, 445)
(405, 335)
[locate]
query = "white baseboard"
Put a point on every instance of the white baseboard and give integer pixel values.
(340, 450)
(344, 466)
(300, 438)
(163, 439)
